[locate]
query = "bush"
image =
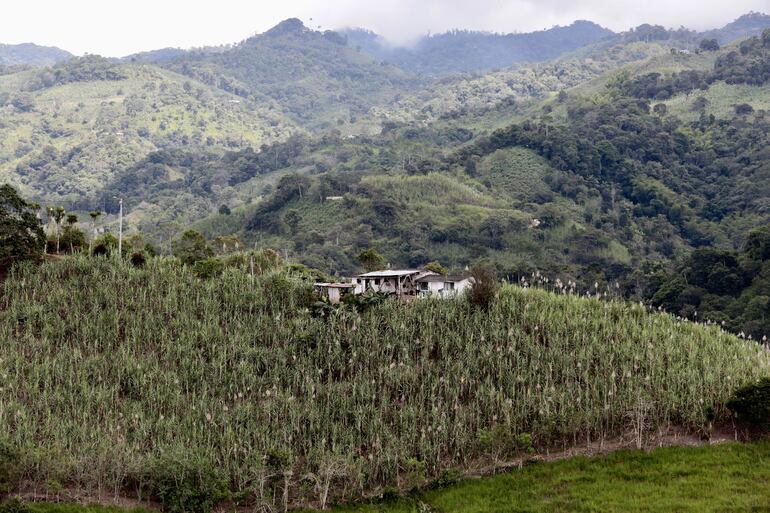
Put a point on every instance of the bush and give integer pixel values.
(187, 485)
(484, 288)
(751, 405)
(191, 247)
(389, 495)
(138, 259)
(100, 249)
(208, 268)
(14, 506)
(10, 470)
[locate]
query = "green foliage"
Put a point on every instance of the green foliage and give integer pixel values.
(751, 405)
(485, 286)
(72, 239)
(191, 247)
(187, 485)
(436, 267)
(14, 505)
(208, 268)
(10, 467)
(371, 260)
(709, 45)
(21, 233)
(728, 287)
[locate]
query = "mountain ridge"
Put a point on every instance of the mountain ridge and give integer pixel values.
(31, 54)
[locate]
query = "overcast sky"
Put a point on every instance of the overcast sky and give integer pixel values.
(117, 28)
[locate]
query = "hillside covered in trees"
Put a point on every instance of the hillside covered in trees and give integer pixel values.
(600, 166)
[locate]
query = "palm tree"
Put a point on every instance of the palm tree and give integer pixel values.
(36, 208)
(71, 220)
(94, 215)
(58, 215)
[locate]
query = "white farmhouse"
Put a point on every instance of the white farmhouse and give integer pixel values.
(443, 286)
(399, 282)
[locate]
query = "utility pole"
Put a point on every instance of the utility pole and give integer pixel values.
(120, 229)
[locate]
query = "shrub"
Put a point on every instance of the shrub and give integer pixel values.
(389, 495)
(436, 267)
(138, 259)
(751, 405)
(10, 470)
(445, 479)
(187, 485)
(743, 109)
(191, 247)
(484, 288)
(14, 506)
(371, 260)
(100, 249)
(208, 268)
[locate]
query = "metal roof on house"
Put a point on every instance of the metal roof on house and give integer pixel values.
(391, 274)
(335, 285)
(441, 278)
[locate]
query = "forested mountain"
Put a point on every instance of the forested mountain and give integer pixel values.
(31, 55)
(748, 25)
(68, 129)
(584, 167)
(315, 77)
(463, 51)
(156, 56)
(638, 166)
(471, 51)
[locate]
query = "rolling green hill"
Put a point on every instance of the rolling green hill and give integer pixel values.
(583, 168)
(68, 130)
(463, 51)
(604, 183)
(316, 77)
(31, 55)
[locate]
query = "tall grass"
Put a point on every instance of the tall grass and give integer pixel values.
(106, 370)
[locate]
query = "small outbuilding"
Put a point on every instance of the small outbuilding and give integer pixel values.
(334, 292)
(444, 286)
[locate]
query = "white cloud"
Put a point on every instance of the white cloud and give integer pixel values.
(112, 28)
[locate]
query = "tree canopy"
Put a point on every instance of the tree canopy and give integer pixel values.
(21, 232)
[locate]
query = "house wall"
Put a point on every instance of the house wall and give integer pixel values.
(385, 285)
(462, 286)
(446, 289)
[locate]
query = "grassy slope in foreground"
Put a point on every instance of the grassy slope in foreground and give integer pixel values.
(109, 373)
(729, 477)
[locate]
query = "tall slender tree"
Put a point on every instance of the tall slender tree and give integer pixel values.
(58, 216)
(94, 216)
(72, 220)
